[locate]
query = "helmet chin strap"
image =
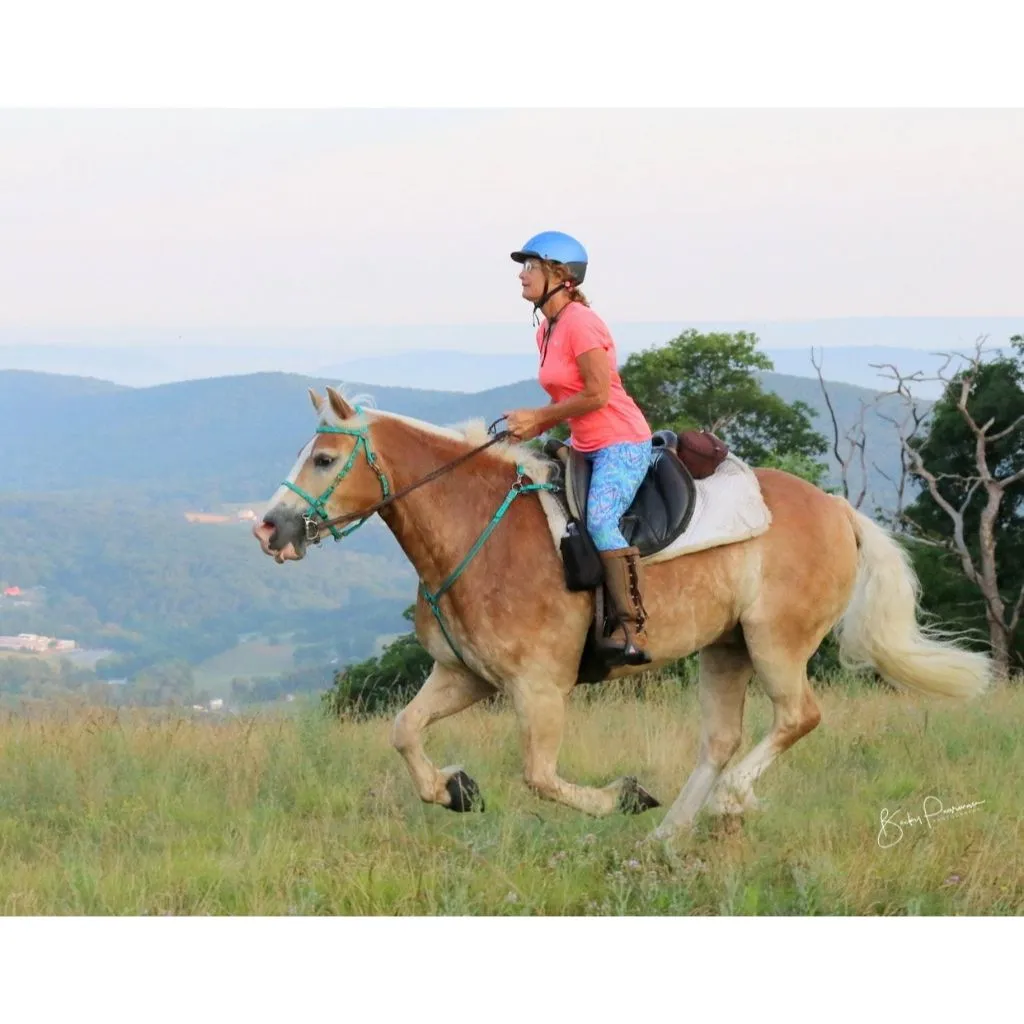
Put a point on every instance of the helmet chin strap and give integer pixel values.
(548, 293)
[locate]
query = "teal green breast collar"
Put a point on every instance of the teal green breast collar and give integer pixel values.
(432, 599)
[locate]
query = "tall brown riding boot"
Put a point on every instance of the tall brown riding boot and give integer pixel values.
(622, 574)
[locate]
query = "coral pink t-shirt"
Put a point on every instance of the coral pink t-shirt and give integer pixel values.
(579, 329)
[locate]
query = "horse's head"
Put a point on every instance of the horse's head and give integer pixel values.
(336, 473)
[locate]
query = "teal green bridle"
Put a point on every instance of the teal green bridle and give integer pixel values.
(316, 518)
(317, 509)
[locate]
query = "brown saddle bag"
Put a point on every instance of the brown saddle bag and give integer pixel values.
(701, 452)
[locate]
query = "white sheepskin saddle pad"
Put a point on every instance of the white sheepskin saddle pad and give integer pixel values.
(728, 508)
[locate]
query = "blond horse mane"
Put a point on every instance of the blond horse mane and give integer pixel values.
(471, 433)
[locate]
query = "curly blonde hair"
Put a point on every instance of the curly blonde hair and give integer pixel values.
(561, 273)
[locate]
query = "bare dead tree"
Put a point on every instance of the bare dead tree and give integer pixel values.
(908, 428)
(981, 571)
(849, 448)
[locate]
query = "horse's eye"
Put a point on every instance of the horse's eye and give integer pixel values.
(322, 460)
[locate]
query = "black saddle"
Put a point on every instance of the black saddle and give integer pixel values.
(663, 505)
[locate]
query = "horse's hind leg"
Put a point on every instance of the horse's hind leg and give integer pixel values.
(725, 671)
(446, 691)
(799, 602)
(796, 714)
(541, 712)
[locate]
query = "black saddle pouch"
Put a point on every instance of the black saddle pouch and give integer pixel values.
(580, 558)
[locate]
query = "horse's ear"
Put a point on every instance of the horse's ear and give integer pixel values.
(341, 408)
(317, 401)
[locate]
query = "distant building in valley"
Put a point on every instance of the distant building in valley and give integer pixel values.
(35, 643)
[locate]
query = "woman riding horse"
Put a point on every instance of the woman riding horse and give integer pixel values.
(494, 614)
(578, 369)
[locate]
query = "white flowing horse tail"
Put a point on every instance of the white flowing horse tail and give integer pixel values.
(879, 628)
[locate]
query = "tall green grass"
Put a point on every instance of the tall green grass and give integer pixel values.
(133, 813)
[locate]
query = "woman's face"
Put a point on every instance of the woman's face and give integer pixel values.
(531, 276)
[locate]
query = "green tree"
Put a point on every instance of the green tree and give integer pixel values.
(803, 466)
(377, 685)
(710, 382)
(166, 683)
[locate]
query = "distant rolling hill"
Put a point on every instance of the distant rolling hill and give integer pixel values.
(205, 441)
(449, 370)
(232, 438)
(460, 357)
(24, 390)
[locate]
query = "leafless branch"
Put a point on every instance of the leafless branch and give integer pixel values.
(1009, 481)
(906, 434)
(992, 438)
(882, 473)
(719, 425)
(955, 515)
(816, 363)
(855, 438)
(920, 535)
(862, 447)
(918, 376)
(971, 491)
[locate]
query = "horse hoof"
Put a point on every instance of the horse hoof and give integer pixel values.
(464, 792)
(634, 799)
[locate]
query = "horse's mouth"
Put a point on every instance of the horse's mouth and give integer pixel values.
(290, 552)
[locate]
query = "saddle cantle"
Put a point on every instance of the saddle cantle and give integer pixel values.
(663, 505)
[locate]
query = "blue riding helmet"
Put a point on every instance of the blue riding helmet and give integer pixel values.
(556, 247)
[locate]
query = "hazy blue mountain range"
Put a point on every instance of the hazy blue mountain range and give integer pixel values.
(200, 442)
(466, 371)
(460, 357)
(94, 478)
(231, 439)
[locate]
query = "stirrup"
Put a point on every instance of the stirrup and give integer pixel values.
(624, 654)
(633, 655)
(630, 655)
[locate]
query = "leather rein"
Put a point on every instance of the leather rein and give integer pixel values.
(316, 526)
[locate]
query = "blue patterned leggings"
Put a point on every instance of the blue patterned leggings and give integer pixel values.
(616, 475)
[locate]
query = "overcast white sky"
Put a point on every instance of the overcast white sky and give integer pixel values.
(249, 218)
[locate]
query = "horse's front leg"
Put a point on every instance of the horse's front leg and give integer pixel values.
(540, 706)
(446, 691)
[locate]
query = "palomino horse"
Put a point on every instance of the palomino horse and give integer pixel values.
(508, 624)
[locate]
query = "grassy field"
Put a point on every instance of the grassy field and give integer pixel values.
(103, 813)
